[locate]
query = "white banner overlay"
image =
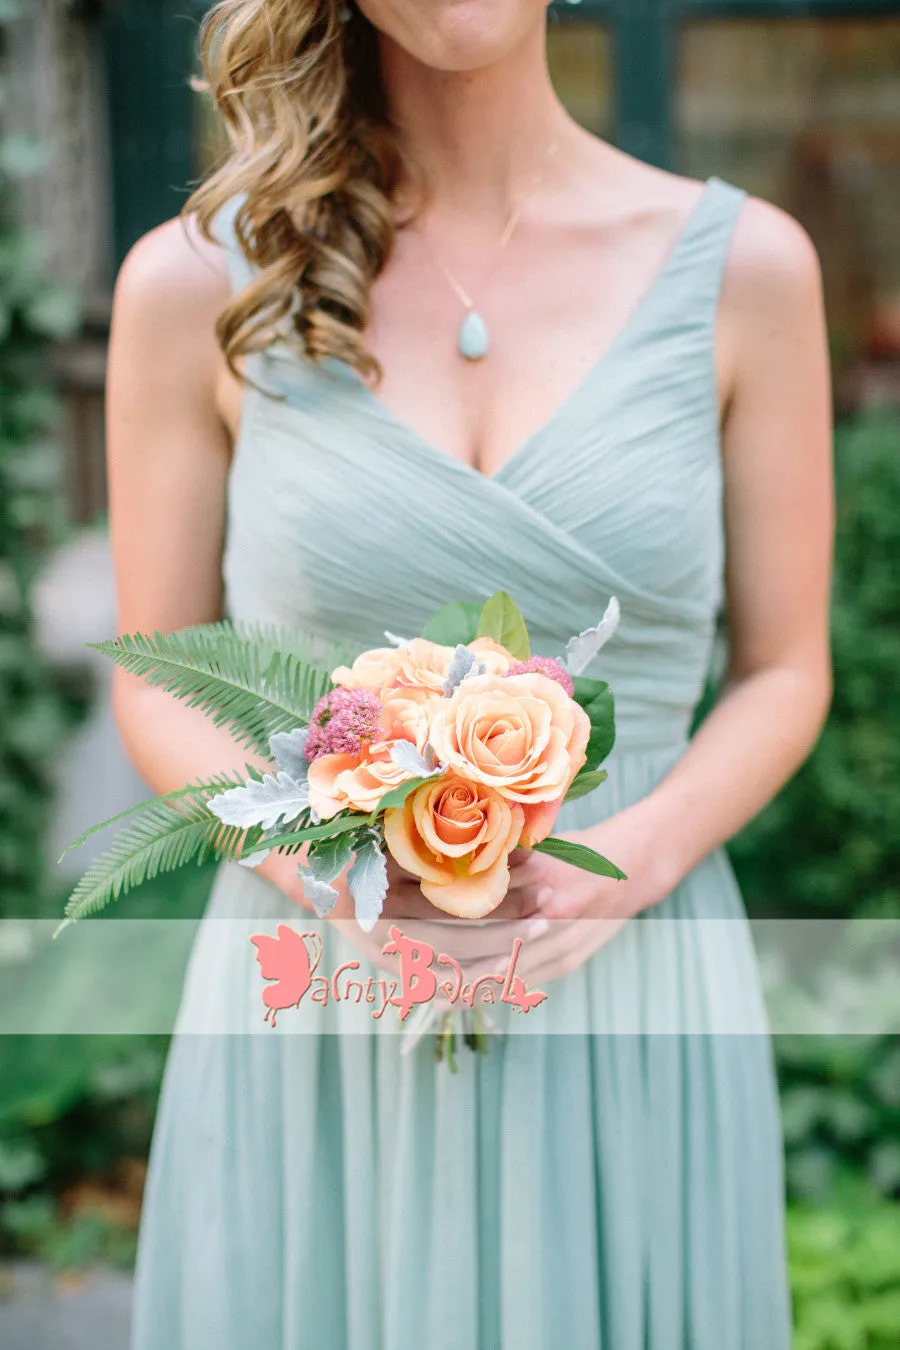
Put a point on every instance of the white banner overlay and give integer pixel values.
(656, 975)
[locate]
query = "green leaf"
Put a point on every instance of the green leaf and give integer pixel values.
(310, 648)
(596, 698)
(398, 795)
(502, 620)
(353, 821)
(209, 787)
(579, 856)
(162, 839)
(327, 858)
(239, 684)
(586, 689)
(454, 624)
(583, 783)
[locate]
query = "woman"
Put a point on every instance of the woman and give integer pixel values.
(641, 409)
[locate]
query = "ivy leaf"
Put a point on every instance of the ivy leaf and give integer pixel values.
(454, 624)
(502, 620)
(579, 856)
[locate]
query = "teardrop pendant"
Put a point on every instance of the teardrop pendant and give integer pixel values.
(474, 339)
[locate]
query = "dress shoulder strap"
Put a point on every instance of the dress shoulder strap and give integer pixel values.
(704, 247)
(240, 270)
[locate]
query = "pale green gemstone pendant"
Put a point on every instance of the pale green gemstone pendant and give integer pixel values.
(474, 339)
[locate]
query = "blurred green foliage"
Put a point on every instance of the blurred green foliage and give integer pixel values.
(32, 716)
(829, 844)
(845, 1273)
(72, 1107)
(840, 1099)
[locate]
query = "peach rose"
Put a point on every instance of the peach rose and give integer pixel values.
(352, 782)
(457, 836)
(421, 665)
(521, 735)
(358, 782)
(407, 714)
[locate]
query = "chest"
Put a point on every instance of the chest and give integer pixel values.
(565, 291)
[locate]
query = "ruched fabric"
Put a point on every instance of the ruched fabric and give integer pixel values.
(611, 1180)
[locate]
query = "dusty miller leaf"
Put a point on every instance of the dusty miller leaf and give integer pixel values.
(581, 650)
(289, 751)
(273, 799)
(406, 756)
(367, 882)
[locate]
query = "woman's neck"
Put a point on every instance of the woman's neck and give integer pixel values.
(478, 136)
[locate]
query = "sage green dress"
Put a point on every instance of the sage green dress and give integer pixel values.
(609, 1177)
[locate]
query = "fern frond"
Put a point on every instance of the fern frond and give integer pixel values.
(219, 782)
(311, 648)
(241, 684)
(163, 838)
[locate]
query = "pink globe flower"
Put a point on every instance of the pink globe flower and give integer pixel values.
(545, 665)
(344, 722)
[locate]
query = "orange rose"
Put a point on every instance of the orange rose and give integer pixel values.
(352, 782)
(358, 782)
(457, 836)
(521, 735)
(407, 714)
(421, 665)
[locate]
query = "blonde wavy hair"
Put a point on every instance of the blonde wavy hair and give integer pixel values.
(298, 85)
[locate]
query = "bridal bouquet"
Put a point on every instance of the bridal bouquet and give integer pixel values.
(447, 750)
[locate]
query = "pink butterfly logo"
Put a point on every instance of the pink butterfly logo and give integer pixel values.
(285, 959)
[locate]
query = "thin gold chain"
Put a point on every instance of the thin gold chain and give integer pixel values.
(515, 217)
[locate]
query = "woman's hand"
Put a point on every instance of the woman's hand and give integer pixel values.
(471, 942)
(585, 911)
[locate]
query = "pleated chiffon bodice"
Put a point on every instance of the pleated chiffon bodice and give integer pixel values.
(367, 526)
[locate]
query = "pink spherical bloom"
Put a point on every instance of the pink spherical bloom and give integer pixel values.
(545, 665)
(344, 722)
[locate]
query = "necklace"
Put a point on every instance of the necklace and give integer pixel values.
(473, 339)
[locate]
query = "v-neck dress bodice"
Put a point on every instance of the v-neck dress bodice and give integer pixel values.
(618, 492)
(610, 1179)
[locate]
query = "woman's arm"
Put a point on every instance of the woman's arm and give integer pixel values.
(168, 459)
(168, 453)
(777, 447)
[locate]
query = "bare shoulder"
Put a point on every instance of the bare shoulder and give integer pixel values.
(174, 280)
(772, 267)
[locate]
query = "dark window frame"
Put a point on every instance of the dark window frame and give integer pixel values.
(149, 46)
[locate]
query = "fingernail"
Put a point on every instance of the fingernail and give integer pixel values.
(545, 896)
(537, 928)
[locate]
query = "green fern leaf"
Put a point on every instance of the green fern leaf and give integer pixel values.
(249, 687)
(220, 782)
(165, 837)
(310, 648)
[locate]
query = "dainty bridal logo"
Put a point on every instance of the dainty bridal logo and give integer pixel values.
(291, 960)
